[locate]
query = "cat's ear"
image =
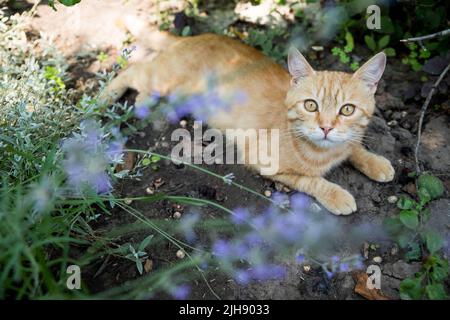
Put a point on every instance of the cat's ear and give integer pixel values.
(370, 73)
(298, 66)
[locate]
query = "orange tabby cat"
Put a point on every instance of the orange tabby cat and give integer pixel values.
(322, 115)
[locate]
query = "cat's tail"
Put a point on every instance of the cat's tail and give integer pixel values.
(147, 34)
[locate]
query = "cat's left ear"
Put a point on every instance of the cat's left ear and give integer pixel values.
(298, 66)
(370, 73)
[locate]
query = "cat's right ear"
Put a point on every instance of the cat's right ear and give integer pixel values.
(298, 66)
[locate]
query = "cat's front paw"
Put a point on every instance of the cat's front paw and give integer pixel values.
(380, 169)
(338, 200)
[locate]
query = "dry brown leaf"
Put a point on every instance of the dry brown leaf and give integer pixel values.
(128, 162)
(148, 265)
(361, 288)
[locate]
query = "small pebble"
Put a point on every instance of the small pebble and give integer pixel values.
(180, 254)
(404, 114)
(128, 201)
(268, 193)
(183, 123)
(377, 259)
(177, 215)
(392, 123)
(306, 268)
(149, 190)
(366, 250)
(394, 250)
(392, 199)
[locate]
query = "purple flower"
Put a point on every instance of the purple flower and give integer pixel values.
(142, 111)
(300, 258)
(187, 225)
(240, 216)
(221, 248)
(242, 277)
(87, 158)
(268, 272)
(181, 292)
(344, 267)
(281, 199)
(300, 202)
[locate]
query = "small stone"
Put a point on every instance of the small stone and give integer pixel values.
(180, 254)
(392, 199)
(307, 268)
(128, 201)
(394, 250)
(267, 193)
(149, 190)
(183, 123)
(158, 183)
(177, 215)
(377, 259)
(410, 188)
(392, 123)
(366, 250)
(404, 114)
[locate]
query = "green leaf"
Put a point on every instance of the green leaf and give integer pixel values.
(383, 42)
(393, 225)
(390, 52)
(438, 269)
(424, 196)
(411, 289)
(409, 218)
(144, 244)
(413, 252)
(155, 158)
(350, 44)
(405, 203)
(139, 266)
(146, 162)
(186, 31)
(404, 239)
(69, 2)
(436, 291)
(434, 241)
(370, 42)
(432, 184)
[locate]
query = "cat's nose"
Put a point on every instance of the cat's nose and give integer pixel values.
(326, 130)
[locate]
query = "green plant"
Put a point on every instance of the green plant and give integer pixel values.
(417, 55)
(268, 41)
(412, 234)
(68, 3)
(380, 45)
(344, 53)
(139, 254)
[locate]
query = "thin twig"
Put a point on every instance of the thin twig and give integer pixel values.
(430, 36)
(422, 114)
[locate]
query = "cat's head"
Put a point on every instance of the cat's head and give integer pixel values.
(331, 108)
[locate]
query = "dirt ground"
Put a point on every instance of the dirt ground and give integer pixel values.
(95, 25)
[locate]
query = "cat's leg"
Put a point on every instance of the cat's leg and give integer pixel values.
(136, 76)
(333, 197)
(376, 167)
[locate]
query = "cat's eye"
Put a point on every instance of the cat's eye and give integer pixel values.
(347, 110)
(311, 106)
